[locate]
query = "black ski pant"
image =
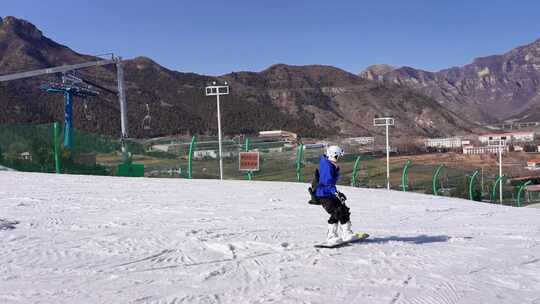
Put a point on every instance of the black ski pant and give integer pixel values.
(338, 211)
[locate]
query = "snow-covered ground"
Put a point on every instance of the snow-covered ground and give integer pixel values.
(2, 168)
(86, 239)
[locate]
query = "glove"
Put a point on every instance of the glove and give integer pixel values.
(341, 196)
(314, 200)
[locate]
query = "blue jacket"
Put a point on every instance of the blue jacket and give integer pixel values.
(328, 177)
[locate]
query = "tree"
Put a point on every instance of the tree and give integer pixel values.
(41, 153)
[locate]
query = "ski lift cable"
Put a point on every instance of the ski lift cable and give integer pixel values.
(105, 103)
(105, 55)
(98, 86)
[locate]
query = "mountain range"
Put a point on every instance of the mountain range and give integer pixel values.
(490, 89)
(314, 101)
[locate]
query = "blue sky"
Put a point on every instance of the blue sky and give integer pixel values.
(217, 37)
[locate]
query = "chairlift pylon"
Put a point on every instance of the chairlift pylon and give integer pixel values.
(86, 111)
(147, 119)
(71, 79)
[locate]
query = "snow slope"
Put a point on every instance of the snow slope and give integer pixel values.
(3, 168)
(86, 239)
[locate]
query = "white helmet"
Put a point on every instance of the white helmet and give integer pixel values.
(334, 152)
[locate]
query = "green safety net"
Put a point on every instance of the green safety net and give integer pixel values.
(30, 147)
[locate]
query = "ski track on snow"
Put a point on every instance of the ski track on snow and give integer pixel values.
(87, 239)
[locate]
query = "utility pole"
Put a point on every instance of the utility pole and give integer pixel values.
(500, 172)
(386, 122)
(500, 143)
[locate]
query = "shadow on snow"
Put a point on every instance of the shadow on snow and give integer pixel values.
(420, 239)
(7, 225)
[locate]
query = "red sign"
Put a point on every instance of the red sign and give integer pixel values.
(249, 161)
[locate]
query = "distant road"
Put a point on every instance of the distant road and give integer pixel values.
(534, 206)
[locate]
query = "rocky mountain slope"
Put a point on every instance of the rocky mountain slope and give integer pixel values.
(315, 101)
(491, 88)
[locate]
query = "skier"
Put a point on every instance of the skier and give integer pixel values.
(332, 200)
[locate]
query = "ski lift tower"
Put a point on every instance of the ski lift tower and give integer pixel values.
(218, 90)
(62, 88)
(385, 122)
(70, 87)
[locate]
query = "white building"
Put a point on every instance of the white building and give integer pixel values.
(202, 154)
(25, 156)
(268, 150)
(449, 142)
(483, 149)
(161, 148)
(486, 138)
(533, 164)
(523, 136)
(366, 140)
(508, 136)
(279, 134)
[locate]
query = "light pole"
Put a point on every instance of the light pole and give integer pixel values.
(499, 143)
(217, 90)
(379, 122)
